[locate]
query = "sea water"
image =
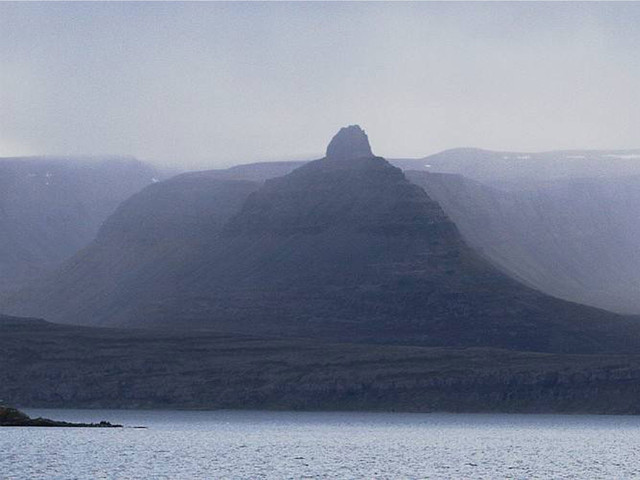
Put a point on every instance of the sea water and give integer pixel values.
(281, 445)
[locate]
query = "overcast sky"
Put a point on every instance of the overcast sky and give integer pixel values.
(212, 84)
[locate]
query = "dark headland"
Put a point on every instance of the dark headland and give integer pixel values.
(12, 417)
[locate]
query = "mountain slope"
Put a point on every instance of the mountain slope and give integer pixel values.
(149, 235)
(52, 207)
(343, 249)
(574, 238)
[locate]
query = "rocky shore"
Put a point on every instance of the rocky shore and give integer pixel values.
(12, 417)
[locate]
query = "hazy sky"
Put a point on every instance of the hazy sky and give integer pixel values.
(211, 84)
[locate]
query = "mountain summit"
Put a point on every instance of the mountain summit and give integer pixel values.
(350, 142)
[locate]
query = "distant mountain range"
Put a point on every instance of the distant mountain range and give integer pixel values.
(51, 207)
(344, 248)
(508, 169)
(502, 169)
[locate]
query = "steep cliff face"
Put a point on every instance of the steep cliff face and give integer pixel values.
(52, 207)
(343, 249)
(349, 143)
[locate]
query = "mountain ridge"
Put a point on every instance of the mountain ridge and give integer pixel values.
(502, 168)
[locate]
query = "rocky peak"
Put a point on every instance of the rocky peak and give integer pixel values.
(350, 142)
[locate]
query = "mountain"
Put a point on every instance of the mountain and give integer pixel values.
(149, 236)
(514, 169)
(63, 366)
(578, 239)
(343, 248)
(51, 207)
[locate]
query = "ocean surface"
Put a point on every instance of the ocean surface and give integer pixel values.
(281, 445)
